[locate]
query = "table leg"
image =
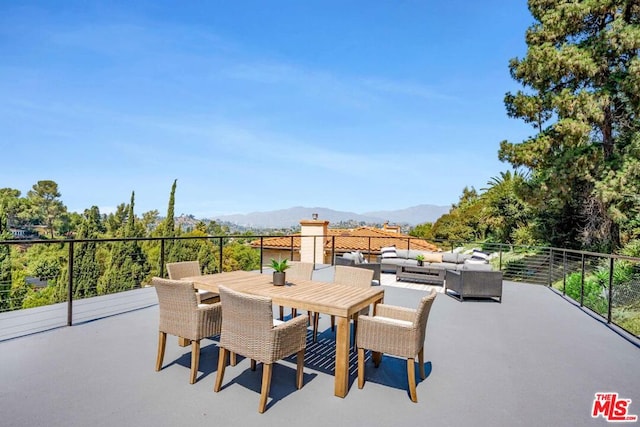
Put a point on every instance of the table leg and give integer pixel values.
(342, 357)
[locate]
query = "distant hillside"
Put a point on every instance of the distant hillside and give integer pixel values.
(291, 217)
(413, 215)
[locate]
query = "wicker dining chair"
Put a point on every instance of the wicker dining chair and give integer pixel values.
(248, 329)
(398, 331)
(298, 271)
(178, 270)
(350, 276)
(181, 315)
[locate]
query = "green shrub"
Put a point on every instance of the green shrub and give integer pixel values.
(594, 293)
(628, 319)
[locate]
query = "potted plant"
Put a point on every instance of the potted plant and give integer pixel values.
(278, 271)
(420, 259)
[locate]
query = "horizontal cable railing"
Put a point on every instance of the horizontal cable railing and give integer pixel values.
(61, 282)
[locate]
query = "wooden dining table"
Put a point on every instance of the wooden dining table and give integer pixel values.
(341, 301)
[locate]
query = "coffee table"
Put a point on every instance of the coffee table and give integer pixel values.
(423, 274)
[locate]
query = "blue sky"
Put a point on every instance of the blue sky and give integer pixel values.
(253, 106)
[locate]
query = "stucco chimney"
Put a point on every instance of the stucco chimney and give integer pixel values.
(312, 248)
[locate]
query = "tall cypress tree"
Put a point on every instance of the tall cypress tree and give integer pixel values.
(173, 248)
(169, 221)
(128, 265)
(86, 270)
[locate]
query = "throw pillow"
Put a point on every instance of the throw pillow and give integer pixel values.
(480, 256)
(388, 252)
(348, 255)
(432, 257)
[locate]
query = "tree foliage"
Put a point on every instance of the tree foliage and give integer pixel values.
(45, 198)
(127, 266)
(86, 268)
(581, 79)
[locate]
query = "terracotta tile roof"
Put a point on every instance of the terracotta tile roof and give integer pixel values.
(362, 239)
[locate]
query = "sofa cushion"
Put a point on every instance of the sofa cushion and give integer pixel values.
(397, 261)
(403, 253)
(475, 261)
(388, 252)
(445, 265)
(412, 253)
(450, 257)
(477, 267)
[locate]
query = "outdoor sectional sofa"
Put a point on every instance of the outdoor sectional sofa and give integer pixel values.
(443, 260)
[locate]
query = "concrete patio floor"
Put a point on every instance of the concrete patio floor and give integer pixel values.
(533, 360)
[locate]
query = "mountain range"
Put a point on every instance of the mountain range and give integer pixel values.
(285, 218)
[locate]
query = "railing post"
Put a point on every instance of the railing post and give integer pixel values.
(368, 248)
(161, 266)
(333, 250)
(70, 284)
(314, 250)
(500, 262)
(564, 272)
(220, 255)
(261, 252)
(610, 289)
(549, 281)
(582, 283)
(291, 246)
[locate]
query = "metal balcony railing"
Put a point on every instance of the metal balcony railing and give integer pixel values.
(37, 273)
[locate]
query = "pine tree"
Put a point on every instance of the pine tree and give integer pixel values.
(581, 77)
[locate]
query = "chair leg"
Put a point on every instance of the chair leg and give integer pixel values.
(234, 359)
(162, 343)
(423, 375)
(355, 327)
(299, 371)
(267, 369)
(253, 364)
(222, 363)
(360, 367)
(294, 312)
(316, 317)
(333, 323)
(195, 359)
(376, 356)
(281, 313)
(411, 375)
